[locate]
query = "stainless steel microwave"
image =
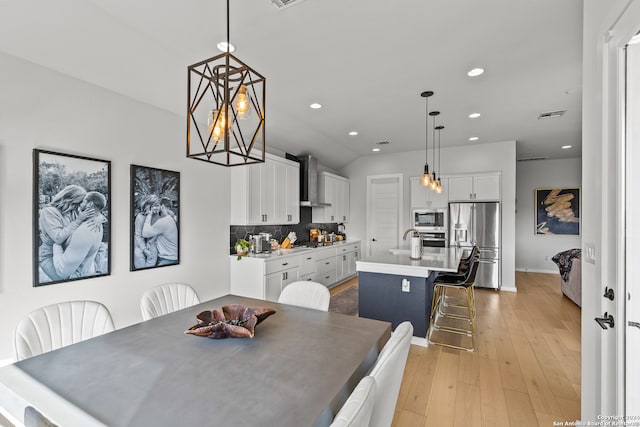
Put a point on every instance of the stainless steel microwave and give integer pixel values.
(430, 219)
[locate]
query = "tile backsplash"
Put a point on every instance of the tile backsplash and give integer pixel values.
(279, 232)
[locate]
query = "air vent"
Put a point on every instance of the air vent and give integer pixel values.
(551, 114)
(283, 4)
(382, 142)
(529, 159)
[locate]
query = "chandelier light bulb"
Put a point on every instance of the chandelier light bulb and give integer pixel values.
(434, 182)
(426, 176)
(243, 107)
(217, 122)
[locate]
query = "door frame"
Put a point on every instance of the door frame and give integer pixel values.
(614, 175)
(370, 179)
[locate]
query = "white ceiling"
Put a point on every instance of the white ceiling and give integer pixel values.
(365, 61)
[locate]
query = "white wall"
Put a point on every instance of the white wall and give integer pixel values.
(500, 156)
(43, 109)
(534, 252)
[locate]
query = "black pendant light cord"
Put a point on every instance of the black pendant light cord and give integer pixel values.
(434, 144)
(439, 150)
(426, 132)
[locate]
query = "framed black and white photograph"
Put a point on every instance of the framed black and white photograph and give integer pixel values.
(71, 214)
(557, 211)
(155, 214)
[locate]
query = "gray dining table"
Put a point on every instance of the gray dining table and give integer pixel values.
(298, 370)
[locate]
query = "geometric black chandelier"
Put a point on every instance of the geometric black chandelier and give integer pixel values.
(226, 110)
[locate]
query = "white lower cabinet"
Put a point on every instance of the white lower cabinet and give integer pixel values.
(275, 283)
(265, 278)
(346, 261)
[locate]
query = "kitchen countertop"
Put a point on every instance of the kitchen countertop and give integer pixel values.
(295, 250)
(399, 263)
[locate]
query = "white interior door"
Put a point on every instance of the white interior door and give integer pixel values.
(384, 207)
(632, 298)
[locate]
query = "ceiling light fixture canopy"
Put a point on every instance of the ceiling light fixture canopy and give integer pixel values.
(426, 176)
(222, 92)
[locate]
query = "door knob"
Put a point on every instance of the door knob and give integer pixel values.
(373, 240)
(606, 320)
(608, 293)
(636, 324)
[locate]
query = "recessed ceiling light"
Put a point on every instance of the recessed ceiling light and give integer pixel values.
(564, 147)
(474, 115)
(475, 72)
(315, 106)
(222, 46)
(473, 138)
(375, 149)
(353, 133)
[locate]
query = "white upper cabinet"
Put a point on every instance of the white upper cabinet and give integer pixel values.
(293, 193)
(423, 197)
(332, 189)
(477, 187)
(266, 193)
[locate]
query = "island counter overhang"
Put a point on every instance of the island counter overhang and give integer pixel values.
(385, 295)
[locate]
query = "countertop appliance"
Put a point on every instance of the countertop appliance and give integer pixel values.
(261, 243)
(478, 224)
(429, 219)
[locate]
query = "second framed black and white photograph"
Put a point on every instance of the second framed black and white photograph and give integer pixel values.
(155, 214)
(71, 214)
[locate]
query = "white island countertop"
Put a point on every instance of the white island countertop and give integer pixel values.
(399, 263)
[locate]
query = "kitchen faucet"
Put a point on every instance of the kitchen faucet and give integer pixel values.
(416, 243)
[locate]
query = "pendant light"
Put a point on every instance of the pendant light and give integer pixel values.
(433, 184)
(226, 110)
(439, 186)
(426, 177)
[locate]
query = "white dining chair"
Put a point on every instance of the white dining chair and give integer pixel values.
(167, 298)
(356, 411)
(59, 325)
(388, 372)
(306, 294)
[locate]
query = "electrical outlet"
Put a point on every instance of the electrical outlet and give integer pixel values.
(406, 285)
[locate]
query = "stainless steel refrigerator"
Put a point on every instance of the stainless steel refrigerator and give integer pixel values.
(478, 224)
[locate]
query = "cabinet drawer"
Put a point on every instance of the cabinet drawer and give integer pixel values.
(308, 264)
(326, 264)
(348, 248)
(273, 266)
(327, 278)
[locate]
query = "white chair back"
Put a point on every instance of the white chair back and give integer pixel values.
(356, 411)
(306, 294)
(167, 298)
(59, 325)
(388, 372)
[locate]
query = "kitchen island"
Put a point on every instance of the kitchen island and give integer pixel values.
(395, 288)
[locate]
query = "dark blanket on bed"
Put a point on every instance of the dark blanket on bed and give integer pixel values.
(564, 260)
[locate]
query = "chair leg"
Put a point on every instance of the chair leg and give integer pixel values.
(437, 313)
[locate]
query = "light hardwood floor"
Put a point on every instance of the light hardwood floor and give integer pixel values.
(524, 372)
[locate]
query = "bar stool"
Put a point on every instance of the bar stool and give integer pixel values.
(460, 275)
(441, 310)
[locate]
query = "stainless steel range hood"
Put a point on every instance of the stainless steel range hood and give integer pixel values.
(309, 182)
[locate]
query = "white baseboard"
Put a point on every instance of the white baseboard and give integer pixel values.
(508, 289)
(422, 342)
(535, 270)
